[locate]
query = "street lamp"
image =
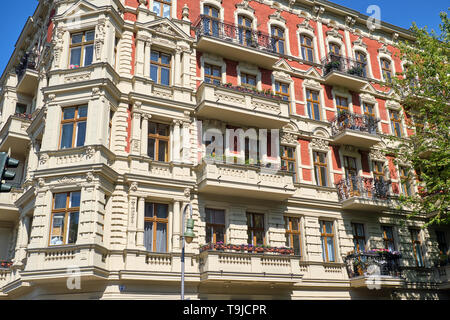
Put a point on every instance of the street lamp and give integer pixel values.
(188, 236)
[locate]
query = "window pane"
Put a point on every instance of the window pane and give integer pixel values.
(157, 7)
(73, 227)
(60, 200)
(154, 56)
(324, 257)
(154, 73)
(68, 113)
(259, 237)
(328, 227)
(57, 232)
(88, 55)
(75, 57)
(82, 112)
(316, 111)
(151, 148)
(75, 199)
(149, 210)
(81, 133)
(162, 150)
(296, 244)
(163, 129)
(259, 221)
(66, 136)
(90, 35)
(216, 72)
(161, 237)
(165, 74)
(148, 236)
(77, 38)
(165, 59)
(220, 234)
(162, 211)
(166, 11)
(330, 246)
(323, 174)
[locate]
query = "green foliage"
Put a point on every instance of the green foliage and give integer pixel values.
(425, 95)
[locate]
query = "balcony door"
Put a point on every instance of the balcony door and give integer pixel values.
(351, 174)
(245, 31)
(211, 21)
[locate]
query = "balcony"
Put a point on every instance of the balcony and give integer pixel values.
(241, 105)
(14, 134)
(360, 193)
(443, 273)
(8, 211)
(27, 75)
(269, 268)
(344, 72)
(355, 130)
(245, 181)
(375, 269)
(234, 42)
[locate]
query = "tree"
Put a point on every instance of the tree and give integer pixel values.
(425, 95)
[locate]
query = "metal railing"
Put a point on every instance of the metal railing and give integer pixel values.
(355, 122)
(28, 61)
(333, 62)
(5, 264)
(373, 264)
(207, 26)
(361, 187)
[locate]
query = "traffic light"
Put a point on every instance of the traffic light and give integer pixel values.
(5, 163)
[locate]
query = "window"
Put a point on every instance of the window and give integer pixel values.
(248, 80)
(155, 227)
(415, 238)
(215, 225)
(312, 100)
(245, 30)
(361, 62)
(158, 141)
(342, 104)
(81, 49)
(283, 90)
(21, 108)
(335, 49)
(73, 127)
(64, 222)
(162, 8)
(369, 110)
(160, 67)
(278, 39)
(442, 242)
(405, 181)
(293, 240)
(388, 238)
(320, 168)
(350, 167)
(307, 48)
(255, 229)
(378, 172)
(396, 123)
(288, 160)
(359, 238)
(386, 70)
(327, 239)
(211, 22)
(213, 74)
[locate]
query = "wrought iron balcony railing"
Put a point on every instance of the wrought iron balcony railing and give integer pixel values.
(333, 62)
(361, 187)
(373, 263)
(207, 26)
(355, 122)
(28, 61)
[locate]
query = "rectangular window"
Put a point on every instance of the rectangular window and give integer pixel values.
(320, 168)
(278, 40)
(283, 90)
(81, 49)
(211, 21)
(307, 48)
(158, 141)
(396, 123)
(215, 225)
(386, 70)
(359, 238)
(342, 104)
(64, 221)
(288, 162)
(245, 30)
(388, 238)
(369, 110)
(255, 229)
(155, 227)
(248, 80)
(351, 173)
(405, 181)
(327, 239)
(213, 74)
(442, 242)
(416, 243)
(378, 172)
(160, 67)
(162, 8)
(313, 104)
(73, 127)
(293, 234)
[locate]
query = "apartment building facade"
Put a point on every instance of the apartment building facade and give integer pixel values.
(108, 104)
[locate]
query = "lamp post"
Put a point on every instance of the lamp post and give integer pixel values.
(188, 236)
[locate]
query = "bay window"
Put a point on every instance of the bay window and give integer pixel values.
(155, 227)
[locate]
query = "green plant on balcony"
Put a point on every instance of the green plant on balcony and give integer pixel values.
(356, 71)
(333, 65)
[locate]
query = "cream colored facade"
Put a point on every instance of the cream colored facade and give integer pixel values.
(116, 177)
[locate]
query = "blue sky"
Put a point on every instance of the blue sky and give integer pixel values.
(397, 12)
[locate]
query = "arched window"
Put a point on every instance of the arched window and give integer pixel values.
(386, 70)
(307, 48)
(278, 40)
(211, 21)
(245, 30)
(361, 61)
(335, 49)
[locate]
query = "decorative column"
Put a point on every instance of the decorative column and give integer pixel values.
(186, 70)
(140, 222)
(176, 226)
(136, 128)
(148, 45)
(186, 142)
(144, 134)
(176, 141)
(140, 56)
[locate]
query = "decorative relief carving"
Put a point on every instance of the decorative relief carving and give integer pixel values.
(187, 193)
(66, 180)
(134, 186)
(89, 177)
(288, 138)
(100, 34)
(368, 98)
(77, 77)
(360, 43)
(229, 98)
(90, 152)
(376, 155)
(58, 45)
(43, 158)
(319, 144)
(312, 84)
